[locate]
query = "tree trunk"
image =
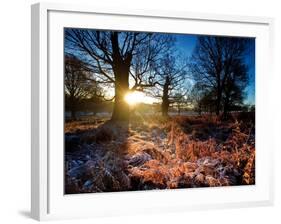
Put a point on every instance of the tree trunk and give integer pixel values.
(165, 98)
(73, 114)
(165, 107)
(73, 107)
(121, 68)
(121, 109)
(200, 110)
(226, 107)
(179, 109)
(218, 101)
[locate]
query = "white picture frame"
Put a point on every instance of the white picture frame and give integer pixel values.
(48, 201)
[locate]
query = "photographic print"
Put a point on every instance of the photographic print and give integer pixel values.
(151, 111)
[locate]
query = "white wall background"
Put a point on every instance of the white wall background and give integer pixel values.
(15, 110)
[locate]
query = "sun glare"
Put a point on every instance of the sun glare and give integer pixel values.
(133, 98)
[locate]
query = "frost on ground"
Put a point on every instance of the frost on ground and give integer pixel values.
(156, 153)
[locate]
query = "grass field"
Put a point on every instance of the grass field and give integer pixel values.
(156, 153)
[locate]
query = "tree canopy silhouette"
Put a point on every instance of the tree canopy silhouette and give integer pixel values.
(218, 66)
(171, 74)
(79, 84)
(112, 57)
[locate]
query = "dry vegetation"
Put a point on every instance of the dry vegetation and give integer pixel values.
(157, 153)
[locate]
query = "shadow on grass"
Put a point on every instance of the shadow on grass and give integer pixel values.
(95, 159)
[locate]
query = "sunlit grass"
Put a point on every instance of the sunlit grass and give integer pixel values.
(152, 153)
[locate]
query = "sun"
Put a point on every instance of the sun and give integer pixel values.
(134, 97)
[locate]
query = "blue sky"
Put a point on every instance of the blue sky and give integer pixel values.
(186, 43)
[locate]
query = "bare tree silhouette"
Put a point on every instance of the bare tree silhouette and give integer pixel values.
(171, 74)
(110, 54)
(214, 61)
(78, 83)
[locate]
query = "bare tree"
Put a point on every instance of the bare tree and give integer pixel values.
(111, 54)
(180, 100)
(195, 97)
(213, 61)
(235, 84)
(78, 84)
(171, 73)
